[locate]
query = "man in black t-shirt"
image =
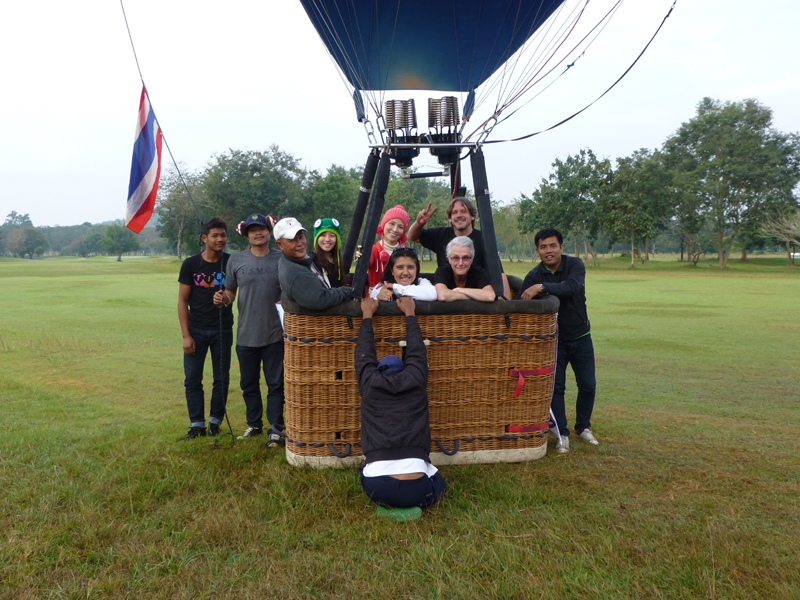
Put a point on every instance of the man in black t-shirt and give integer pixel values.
(206, 319)
(460, 279)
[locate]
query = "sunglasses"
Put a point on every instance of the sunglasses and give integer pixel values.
(404, 252)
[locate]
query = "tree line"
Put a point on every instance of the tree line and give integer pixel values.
(725, 180)
(18, 237)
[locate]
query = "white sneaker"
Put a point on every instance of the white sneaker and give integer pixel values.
(562, 447)
(250, 432)
(586, 436)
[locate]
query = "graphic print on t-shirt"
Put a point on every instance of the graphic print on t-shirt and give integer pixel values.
(209, 280)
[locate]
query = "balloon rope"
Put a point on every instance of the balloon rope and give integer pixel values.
(530, 135)
(530, 83)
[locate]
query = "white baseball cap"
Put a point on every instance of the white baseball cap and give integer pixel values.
(287, 228)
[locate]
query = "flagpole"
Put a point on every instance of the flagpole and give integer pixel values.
(163, 137)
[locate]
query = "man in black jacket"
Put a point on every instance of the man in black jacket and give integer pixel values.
(395, 423)
(564, 277)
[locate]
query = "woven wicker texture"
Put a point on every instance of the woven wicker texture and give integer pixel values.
(470, 391)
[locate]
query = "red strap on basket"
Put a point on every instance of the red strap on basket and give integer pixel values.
(526, 428)
(523, 373)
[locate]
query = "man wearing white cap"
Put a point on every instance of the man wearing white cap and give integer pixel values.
(301, 281)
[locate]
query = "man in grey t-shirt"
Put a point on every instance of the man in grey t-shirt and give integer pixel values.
(253, 273)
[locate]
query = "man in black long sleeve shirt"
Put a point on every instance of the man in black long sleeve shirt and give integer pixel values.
(395, 423)
(564, 277)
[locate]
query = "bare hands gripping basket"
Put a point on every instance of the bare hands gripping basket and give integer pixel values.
(491, 371)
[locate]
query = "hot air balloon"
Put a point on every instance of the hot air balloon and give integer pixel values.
(496, 53)
(491, 366)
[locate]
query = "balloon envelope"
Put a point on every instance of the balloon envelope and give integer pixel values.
(449, 45)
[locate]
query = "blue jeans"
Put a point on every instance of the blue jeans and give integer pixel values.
(220, 346)
(251, 361)
(580, 354)
(404, 493)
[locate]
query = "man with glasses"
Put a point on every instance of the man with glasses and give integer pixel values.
(460, 279)
(301, 280)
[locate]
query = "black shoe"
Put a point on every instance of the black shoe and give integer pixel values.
(213, 430)
(275, 440)
(195, 432)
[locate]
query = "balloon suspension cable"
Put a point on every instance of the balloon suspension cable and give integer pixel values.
(601, 25)
(163, 136)
(540, 76)
(612, 86)
(536, 59)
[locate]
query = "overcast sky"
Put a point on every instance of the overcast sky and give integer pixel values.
(246, 74)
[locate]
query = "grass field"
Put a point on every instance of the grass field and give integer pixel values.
(694, 491)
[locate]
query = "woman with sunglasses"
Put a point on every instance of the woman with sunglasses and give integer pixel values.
(401, 278)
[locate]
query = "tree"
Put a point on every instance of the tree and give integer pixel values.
(638, 203)
(785, 228)
(14, 220)
(92, 242)
(335, 194)
(178, 219)
(269, 182)
(76, 248)
(118, 239)
(24, 241)
(60, 237)
(509, 238)
(740, 168)
(567, 199)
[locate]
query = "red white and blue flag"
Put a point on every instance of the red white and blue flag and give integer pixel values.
(145, 168)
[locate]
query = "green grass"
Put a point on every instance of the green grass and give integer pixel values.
(693, 492)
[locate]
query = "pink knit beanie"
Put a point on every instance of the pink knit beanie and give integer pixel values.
(398, 212)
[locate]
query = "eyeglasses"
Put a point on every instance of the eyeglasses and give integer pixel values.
(458, 259)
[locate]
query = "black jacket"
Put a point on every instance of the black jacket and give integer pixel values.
(395, 423)
(568, 285)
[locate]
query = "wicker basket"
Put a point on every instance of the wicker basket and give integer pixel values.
(480, 411)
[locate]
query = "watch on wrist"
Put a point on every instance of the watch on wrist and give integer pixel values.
(541, 288)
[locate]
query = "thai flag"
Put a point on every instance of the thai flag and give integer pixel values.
(145, 168)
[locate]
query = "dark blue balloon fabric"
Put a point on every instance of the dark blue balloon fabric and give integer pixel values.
(449, 45)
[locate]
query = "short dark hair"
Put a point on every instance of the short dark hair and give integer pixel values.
(543, 234)
(467, 203)
(213, 224)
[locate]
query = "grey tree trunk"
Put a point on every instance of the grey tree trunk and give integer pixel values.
(633, 249)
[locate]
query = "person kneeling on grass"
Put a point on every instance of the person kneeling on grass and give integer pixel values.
(395, 423)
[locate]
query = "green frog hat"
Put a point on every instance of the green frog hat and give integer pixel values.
(323, 225)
